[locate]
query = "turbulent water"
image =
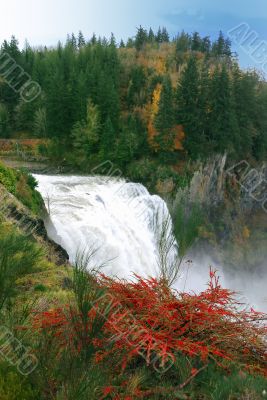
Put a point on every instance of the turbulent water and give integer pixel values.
(113, 219)
(119, 223)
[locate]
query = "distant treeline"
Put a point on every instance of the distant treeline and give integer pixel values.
(151, 98)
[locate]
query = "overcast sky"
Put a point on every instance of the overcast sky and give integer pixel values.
(47, 21)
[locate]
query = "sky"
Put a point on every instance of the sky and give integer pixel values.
(44, 22)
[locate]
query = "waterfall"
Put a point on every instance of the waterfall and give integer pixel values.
(115, 220)
(120, 223)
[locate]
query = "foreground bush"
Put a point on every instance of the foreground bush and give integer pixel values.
(18, 257)
(151, 342)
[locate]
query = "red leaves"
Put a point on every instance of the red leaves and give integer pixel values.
(149, 321)
(209, 325)
(107, 390)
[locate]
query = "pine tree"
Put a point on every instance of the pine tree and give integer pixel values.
(13, 48)
(196, 42)
(222, 47)
(40, 123)
(136, 90)
(260, 120)
(107, 98)
(183, 42)
(244, 93)
(93, 39)
(206, 45)
(3, 121)
(222, 117)
(81, 40)
(141, 38)
(85, 134)
(165, 36)
(187, 100)
(108, 141)
(112, 40)
(159, 36)
(130, 43)
(164, 120)
(73, 41)
(203, 108)
(151, 36)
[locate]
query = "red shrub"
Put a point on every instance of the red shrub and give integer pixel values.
(146, 319)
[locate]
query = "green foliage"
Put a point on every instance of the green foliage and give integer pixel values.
(141, 38)
(218, 106)
(40, 288)
(14, 386)
(142, 171)
(108, 142)
(234, 385)
(222, 119)
(18, 256)
(188, 112)
(26, 193)
(22, 185)
(85, 135)
(8, 178)
(3, 120)
(40, 123)
(187, 219)
(164, 119)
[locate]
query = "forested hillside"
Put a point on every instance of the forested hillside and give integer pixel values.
(152, 99)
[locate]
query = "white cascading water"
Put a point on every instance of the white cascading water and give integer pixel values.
(112, 218)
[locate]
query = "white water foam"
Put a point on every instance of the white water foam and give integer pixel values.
(111, 216)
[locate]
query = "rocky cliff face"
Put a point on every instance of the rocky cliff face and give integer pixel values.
(13, 211)
(233, 197)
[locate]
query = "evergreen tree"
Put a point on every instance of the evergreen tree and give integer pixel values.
(259, 149)
(130, 43)
(141, 38)
(13, 49)
(203, 108)
(222, 117)
(93, 39)
(244, 105)
(81, 40)
(159, 36)
(108, 141)
(85, 134)
(164, 120)
(107, 99)
(3, 121)
(187, 100)
(165, 38)
(112, 40)
(73, 41)
(206, 45)
(196, 43)
(151, 36)
(222, 47)
(183, 42)
(137, 85)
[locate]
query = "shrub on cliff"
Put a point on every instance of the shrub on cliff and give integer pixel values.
(22, 185)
